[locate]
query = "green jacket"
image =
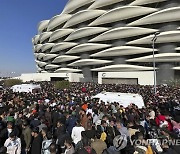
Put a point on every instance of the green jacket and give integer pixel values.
(27, 136)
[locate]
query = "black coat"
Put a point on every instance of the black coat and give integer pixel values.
(36, 145)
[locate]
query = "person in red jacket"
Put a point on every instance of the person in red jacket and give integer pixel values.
(163, 121)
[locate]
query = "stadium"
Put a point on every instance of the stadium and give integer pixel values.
(97, 38)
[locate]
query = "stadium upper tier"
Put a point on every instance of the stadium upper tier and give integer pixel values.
(110, 35)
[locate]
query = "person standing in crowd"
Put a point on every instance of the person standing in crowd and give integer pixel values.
(59, 135)
(26, 137)
(37, 141)
(71, 121)
(13, 144)
(69, 146)
(87, 149)
(83, 118)
(123, 130)
(76, 132)
(53, 149)
(4, 134)
(46, 143)
(98, 145)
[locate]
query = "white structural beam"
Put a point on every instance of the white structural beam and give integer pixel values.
(164, 57)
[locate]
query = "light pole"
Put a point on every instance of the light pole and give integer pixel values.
(154, 62)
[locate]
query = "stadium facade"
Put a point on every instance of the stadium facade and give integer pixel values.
(92, 36)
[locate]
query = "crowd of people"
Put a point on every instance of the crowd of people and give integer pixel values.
(68, 121)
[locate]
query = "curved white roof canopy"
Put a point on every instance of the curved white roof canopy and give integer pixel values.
(74, 4)
(83, 16)
(122, 32)
(84, 32)
(178, 48)
(143, 2)
(36, 39)
(44, 36)
(51, 66)
(176, 68)
(122, 13)
(40, 63)
(36, 55)
(87, 47)
(33, 41)
(37, 47)
(101, 3)
(46, 46)
(60, 33)
(164, 37)
(122, 50)
(67, 70)
(49, 56)
(58, 20)
(38, 68)
(44, 72)
(43, 25)
(162, 16)
(85, 62)
(163, 57)
(122, 68)
(41, 55)
(62, 46)
(64, 58)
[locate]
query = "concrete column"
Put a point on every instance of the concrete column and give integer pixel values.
(165, 73)
(63, 65)
(84, 56)
(167, 48)
(120, 60)
(170, 3)
(86, 70)
(87, 73)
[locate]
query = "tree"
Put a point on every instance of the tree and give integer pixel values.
(12, 82)
(62, 84)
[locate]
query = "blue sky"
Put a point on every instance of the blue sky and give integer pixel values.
(18, 24)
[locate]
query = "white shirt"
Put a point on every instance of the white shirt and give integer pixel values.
(13, 147)
(152, 115)
(90, 111)
(76, 134)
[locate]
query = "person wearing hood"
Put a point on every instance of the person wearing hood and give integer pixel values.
(46, 144)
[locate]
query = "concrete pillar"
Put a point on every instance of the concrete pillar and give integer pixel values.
(86, 69)
(87, 73)
(165, 73)
(167, 48)
(120, 60)
(63, 65)
(171, 3)
(84, 56)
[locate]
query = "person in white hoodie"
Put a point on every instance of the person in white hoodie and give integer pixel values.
(13, 144)
(46, 144)
(76, 132)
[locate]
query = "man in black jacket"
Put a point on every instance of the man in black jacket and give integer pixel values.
(37, 142)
